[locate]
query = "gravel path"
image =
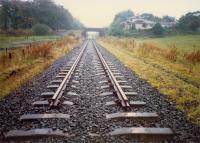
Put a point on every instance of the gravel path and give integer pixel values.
(87, 121)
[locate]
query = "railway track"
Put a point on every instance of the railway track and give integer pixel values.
(112, 83)
(112, 74)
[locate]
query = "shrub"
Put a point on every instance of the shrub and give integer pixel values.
(158, 29)
(41, 29)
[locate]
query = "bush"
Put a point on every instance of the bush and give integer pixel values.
(41, 29)
(158, 29)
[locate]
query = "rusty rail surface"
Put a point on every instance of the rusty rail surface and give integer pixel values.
(123, 100)
(55, 100)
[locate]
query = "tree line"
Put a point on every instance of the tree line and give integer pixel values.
(188, 23)
(17, 14)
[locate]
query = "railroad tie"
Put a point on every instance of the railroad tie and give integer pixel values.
(130, 93)
(126, 87)
(104, 81)
(35, 133)
(62, 73)
(122, 81)
(44, 116)
(133, 115)
(105, 87)
(106, 94)
(47, 94)
(142, 133)
(64, 70)
(53, 86)
(56, 81)
(132, 103)
(46, 103)
(60, 76)
(117, 73)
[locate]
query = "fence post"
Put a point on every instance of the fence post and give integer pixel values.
(10, 56)
(23, 52)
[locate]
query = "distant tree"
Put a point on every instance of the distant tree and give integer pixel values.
(190, 22)
(116, 28)
(123, 16)
(158, 29)
(15, 14)
(151, 17)
(41, 29)
(5, 14)
(56, 17)
(168, 19)
(77, 24)
(21, 15)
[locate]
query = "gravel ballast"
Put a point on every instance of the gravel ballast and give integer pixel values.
(87, 121)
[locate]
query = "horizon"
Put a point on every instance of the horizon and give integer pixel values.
(94, 13)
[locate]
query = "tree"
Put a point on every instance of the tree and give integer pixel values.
(158, 29)
(21, 14)
(116, 28)
(190, 22)
(5, 14)
(41, 29)
(168, 19)
(54, 16)
(15, 14)
(151, 17)
(77, 24)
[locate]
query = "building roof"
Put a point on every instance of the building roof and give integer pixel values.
(140, 21)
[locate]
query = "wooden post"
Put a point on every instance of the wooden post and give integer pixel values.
(23, 52)
(10, 56)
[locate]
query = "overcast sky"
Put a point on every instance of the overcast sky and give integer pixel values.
(100, 13)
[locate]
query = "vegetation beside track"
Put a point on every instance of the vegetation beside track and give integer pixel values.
(20, 65)
(169, 64)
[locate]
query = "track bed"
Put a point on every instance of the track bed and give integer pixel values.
(91, 107)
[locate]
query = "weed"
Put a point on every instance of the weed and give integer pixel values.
(193, 57)
(172, 54)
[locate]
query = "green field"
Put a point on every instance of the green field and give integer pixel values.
(11, 41)
(186, 43)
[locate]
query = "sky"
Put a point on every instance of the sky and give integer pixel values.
(100, 13)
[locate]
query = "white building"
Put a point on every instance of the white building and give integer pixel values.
(140, 23)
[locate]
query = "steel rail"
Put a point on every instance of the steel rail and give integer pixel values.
(55, 100)
(119, 92)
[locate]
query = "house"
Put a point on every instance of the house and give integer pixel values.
(139, 23)
(167, 24)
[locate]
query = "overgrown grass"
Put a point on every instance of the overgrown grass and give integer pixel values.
(20, 65)
(174, 71)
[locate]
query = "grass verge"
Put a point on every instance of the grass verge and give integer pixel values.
(25, 63)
